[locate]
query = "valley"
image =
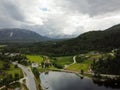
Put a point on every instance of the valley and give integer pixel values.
(60, 45)
(22, 64)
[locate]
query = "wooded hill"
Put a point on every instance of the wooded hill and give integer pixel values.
(106, 40)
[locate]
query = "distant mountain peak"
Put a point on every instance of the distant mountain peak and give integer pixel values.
(20, 35)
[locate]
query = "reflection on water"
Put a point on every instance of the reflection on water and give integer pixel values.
(69, 81)
(108, 83)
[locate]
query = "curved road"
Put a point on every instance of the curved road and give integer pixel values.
(30, 79)
(74, 61)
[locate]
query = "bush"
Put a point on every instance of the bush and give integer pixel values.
(58, 66)
(36, 72)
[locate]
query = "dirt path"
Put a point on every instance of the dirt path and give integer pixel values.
(74, 61)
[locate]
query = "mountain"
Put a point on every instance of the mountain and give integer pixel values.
(106, 40)
(95, 40)
(20, 35)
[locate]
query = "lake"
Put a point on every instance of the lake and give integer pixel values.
(69, 81)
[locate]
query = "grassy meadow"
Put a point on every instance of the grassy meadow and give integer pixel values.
(64, 60)
(80, 66)
(35, 58)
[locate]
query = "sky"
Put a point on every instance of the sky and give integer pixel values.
(54, 18)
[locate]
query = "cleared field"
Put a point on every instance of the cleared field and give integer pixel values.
(78, 66)
(65, 60)
(35, 58)
(86, 62)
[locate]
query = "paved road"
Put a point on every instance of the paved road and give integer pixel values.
(30, 79)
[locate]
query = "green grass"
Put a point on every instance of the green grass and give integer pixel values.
(78, 66)
(65, 60)
(11, 70)
(14, 71)
(35, 58)
(1, 63)
(85, 64)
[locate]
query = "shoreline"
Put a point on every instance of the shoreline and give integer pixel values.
(85, 75)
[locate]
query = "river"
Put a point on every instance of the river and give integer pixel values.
(69, 81)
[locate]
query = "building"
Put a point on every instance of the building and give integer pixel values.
(34, 65)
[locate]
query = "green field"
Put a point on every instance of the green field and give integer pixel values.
(35, 58)
(85, 64)
(78, 66)
(65, 60)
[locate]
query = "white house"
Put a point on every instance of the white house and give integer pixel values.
(34, 65)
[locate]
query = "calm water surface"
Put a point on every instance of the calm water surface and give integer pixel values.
(69, 81)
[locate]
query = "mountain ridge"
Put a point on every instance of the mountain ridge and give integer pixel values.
(104, 41)
(20, 35)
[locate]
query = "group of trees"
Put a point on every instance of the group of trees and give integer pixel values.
(107, 66)
(36, 72)
(9, 78)
(57, 65)
(89, 41)
(7, 59)
(20, 58)
(99, 40)
(80, 59)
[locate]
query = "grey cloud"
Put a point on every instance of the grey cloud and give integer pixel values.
(81, 6)
(11, 10)
(103, 6)
(94, 7)
(12, 14)
(7, 22)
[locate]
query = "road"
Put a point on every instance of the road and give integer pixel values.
(74, 61)
(29, 76)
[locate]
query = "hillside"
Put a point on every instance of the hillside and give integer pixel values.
(20, 35)
(104, 41)
(94, 40)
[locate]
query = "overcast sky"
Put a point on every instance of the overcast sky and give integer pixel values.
(58, 17)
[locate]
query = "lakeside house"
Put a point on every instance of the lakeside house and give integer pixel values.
(35, 65)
